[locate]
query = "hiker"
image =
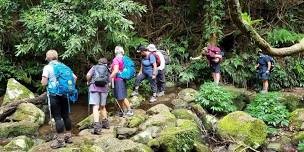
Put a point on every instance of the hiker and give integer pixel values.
(98, 80)
(148, 69)
(264, 68)
(214, 58)
(160, 78)
(59, 103)
(119, 84)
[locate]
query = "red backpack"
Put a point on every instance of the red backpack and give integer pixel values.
(156, 57)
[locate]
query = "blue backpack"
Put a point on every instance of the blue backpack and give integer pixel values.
(65, 82)
(128, 70)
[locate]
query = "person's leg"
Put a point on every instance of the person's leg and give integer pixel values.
(56, 114)
(265, 85)
(161, 82)
(138, 80)
(65, 114)
(217, 78)
(154, 89)
(217, 73)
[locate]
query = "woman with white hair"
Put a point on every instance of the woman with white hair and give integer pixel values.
(120, 89)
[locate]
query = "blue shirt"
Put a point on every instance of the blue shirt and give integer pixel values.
(263, 63)
(147, 64)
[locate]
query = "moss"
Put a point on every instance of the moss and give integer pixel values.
(157, 109)
(296, 120)
(162, 119)
(85, 123)
(188, 95)
(184, 114)
(178, 138)
(13, 129)
(241, 96)
(242, 127)
(21, 143)
(136, 120)
(29, 112)
(16, 91)
(291, 101)
(199, 147)
(297, 137)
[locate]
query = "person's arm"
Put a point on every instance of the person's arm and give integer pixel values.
(140, 70)
(45, 74)
(44, 81)
(269, 66)
(154, 70)
(75, 77)
(115, 71)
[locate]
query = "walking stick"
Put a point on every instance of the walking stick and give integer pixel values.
(49, 105)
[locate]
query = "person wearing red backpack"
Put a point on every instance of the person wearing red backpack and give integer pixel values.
(148, 70)
(214, 57)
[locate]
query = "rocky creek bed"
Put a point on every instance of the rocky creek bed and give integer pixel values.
(175, 124)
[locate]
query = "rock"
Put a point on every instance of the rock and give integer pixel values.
(136, 120)
(163, 119)
(296, 120)
(184, 114)
(145, 136)
(220, 149)
(274, 147)
(159, 108)
(243, 128)
(177, 138)
(292, 101)
(85, 123)
(13, 129)
(21, 143)
(297, 137)
(198, 110)
(241, 96)
(116, 145)
(199, 147)
(210, 122)
(187, 95)
(16, 91)
(123, 132)
(28, 112)
(114, 121)
(170, 84)
(236, 148)
(85, 148)
(136, 101)
(179, 103)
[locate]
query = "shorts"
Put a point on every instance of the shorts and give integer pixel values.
(98, 98)
(120, 90)
(263, 76)
(216, 68)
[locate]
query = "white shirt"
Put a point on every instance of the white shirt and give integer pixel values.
(162, 61)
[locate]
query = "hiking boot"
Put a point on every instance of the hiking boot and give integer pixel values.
(161, 94)
(134, 93)
(120, 114)
(105, 124)
(263, 91)
(129, 113)
(58, 142)
(97, 128)
(68, 138)
(153, 99)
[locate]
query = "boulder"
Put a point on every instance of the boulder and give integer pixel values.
(159, 108)
(198, 110)
(136, 120)
(187, 95)
(179, 103)
(184, 114)
(274, 147)
(177, 138)
(170, 84)
(13, 129)
(16, 91)
(21, 143)
(145, 136)
(210, 122)
(136, 101)
(114, 121)
(199, 147)
(163, 119)
(292, 101)
(296, 120)
(28, 112)
(124, 133)
(243, 128)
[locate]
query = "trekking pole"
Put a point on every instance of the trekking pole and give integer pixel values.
(113, 86)
(89, 101)
(49, 105)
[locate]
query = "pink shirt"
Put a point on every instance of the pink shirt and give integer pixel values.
(118, 61)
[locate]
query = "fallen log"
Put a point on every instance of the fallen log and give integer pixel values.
(10, 107)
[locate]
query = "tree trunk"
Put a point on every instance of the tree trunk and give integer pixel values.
(10, 108)
(235, 14)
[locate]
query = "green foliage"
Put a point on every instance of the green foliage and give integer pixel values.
(247, 19)
(283, 37)
(301, 146)
(268, 108)
(216, 98)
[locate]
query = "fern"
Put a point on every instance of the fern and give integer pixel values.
(247, 19)
(283, 37)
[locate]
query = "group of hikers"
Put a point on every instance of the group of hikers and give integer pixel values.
(60, 81)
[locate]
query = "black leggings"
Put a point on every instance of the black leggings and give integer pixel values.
(60, 111)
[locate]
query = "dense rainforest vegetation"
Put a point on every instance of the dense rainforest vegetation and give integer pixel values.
(82, 31)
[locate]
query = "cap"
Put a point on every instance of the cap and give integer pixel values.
(151, 48)
(141, 48)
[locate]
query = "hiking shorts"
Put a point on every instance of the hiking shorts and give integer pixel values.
(98, 98)
(216, 68)
(263, 76)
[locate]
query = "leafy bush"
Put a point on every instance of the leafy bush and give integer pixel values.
(283, 37)
(301, 146)
(216, 98)
(268, 108)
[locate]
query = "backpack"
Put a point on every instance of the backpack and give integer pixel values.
(166, 56)
(101, 75)
(212, 51)
(65, 82)
(128, 71)
(156, 57)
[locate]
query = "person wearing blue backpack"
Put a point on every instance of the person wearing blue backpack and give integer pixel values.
(264, 66)
(60, 81)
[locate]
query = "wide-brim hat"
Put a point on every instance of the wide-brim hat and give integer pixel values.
(151, 48)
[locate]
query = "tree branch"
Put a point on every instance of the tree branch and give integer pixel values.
(10, 108)
(235, 14)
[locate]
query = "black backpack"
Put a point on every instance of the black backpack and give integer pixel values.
(101, 75)
(166, 56)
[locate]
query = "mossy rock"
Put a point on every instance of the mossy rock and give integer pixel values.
(136, 120)
(85, 123)
(199, 147)
(136, 101)
(241, 96)
(145, 136)
(28, 112)
(198, 110)
(210, 122)
(16, 91)
(243, 128)
(178, 138)
(184, 114)
(188, 94)
(159, 108)
(21, 143)
(179, 103)
(163, 119)
(236, 148)
(292, 101)
(13, 129)
(85, 148)
(296, 120)
(116, 145)
(297, 137)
